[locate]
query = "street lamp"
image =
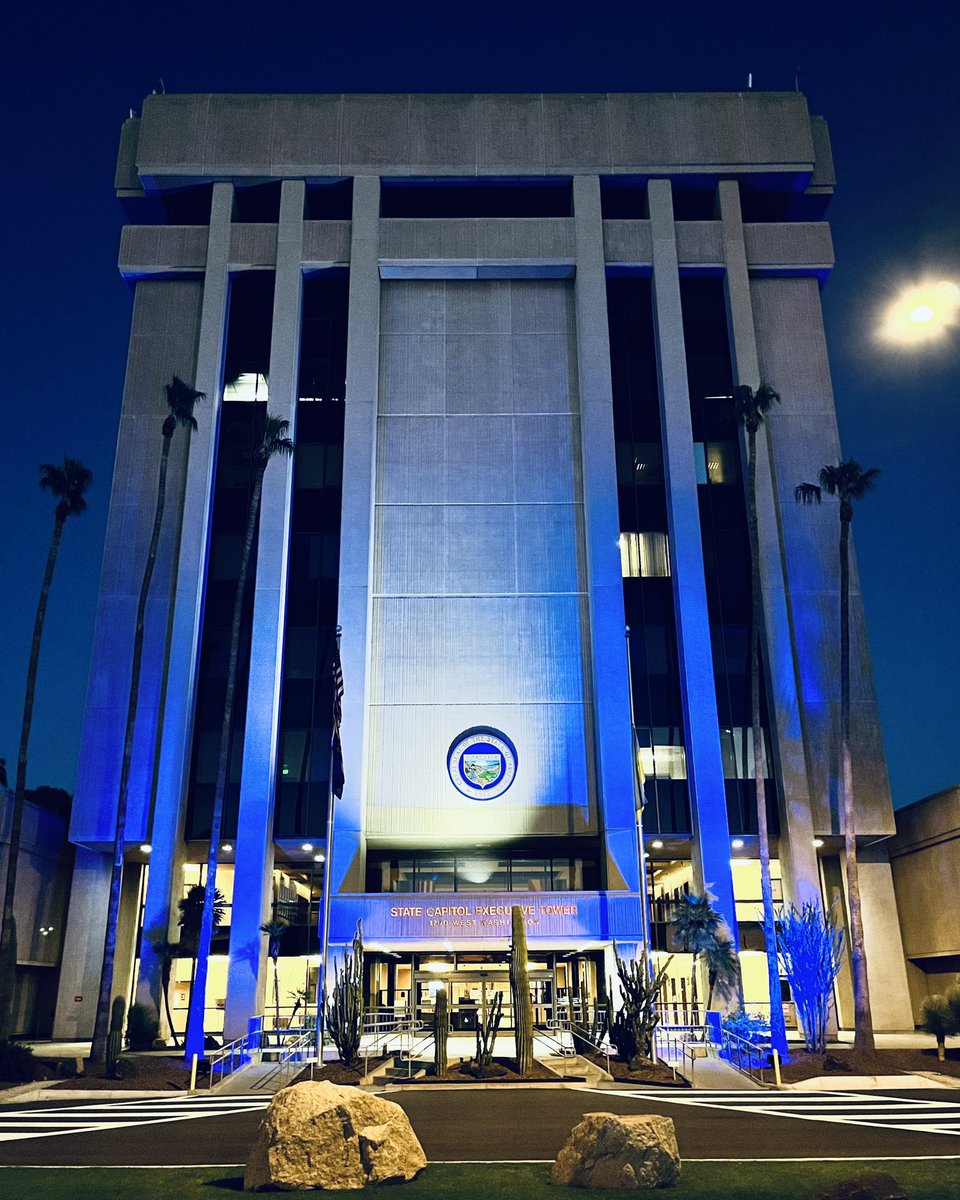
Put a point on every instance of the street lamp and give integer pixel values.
(922, 312)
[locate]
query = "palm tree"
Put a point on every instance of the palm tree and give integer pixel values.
(67, 484)
(695, 925)
(166, 951)
(191, 918)
(180, 400)
(273, 442)
(720, 957)
(848, 481)
(275, 931)
(751, 407)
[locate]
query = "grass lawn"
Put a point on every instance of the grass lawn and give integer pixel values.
(932, 1179)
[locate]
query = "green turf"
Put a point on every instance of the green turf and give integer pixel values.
(932, 1179)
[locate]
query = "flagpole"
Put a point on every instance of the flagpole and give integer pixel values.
(328, 858)
(640, 801)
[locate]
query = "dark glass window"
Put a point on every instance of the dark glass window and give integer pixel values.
(306, 710)
(488, 197)
(647, 588)
(726, 544)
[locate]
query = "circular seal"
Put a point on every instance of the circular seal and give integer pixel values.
(482, 763)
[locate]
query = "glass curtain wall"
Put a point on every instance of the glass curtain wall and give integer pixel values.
(303, 769)
(246, 370)
(726, 543)
(645, 556)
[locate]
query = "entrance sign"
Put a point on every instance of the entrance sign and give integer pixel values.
(482, 763)
(393, 919)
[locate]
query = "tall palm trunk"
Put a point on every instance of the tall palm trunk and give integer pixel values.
(195, 1019)
(98, 1050)
(8, 949)
(863, 1020)
(778, 1032)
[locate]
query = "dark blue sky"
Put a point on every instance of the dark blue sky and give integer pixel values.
(885, 76)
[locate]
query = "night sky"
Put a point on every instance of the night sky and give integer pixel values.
(885, 76)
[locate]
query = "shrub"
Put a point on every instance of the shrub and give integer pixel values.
(124, 1068)
(142, 1027)
(17, 1063)
(750, 1026)
(938, 1017)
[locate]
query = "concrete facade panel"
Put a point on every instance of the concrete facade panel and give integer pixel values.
(793, 244)
(326, 242)
(509, 134)
(163, 342)
(305, 135)
(253, 246)
(699, 242)
(627, 242)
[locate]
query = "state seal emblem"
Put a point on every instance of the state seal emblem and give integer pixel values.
(482, 763)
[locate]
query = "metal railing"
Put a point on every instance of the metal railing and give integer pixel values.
(233, 1056)
(601, 1046)
(753, 1059)
(553, 1037)
(299, 1053)
(676, 1045)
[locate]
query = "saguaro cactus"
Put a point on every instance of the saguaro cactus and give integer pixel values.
(441, 1028)
(520, 991)
(345, 1006)
(115, 1036)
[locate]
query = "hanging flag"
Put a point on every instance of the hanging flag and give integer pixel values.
(336, 766)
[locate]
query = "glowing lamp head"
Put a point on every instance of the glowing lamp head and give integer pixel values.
(657, 844)
(737, 843)
(145, 847)
(922, 313)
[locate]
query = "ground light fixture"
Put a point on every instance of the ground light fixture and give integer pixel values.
(922, 313)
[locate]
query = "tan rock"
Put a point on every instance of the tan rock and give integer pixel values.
(319, 1135)
(610, 1151)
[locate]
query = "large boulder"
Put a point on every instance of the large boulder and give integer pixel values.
(610, 1151)
(319, 1135)
(867, 1185)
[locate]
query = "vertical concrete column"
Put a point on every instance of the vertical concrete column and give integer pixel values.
(711, 842)
(613, 735)
(344, 857)
(254, 844)
(166, 832)
(798, 858)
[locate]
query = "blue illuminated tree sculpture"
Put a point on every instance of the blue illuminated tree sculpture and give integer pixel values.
(848, 481)
(751, 407)
(273, 443)
(811, 950)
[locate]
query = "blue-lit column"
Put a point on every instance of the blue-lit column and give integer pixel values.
(166, 832)
(253, 862)
(711, 841)
(345, 856)
(601, 520)
(797, 855)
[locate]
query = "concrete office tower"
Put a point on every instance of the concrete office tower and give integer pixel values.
(505, 330)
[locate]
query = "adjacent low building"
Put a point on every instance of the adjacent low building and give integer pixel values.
(505, 330)
(925, 857)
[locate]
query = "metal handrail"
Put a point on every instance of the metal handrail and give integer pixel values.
(750, 1058)
(294, 1054)
(601, 1045)
(238, 1053)
(683, 1040)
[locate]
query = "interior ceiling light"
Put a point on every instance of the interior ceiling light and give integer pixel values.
(737, 843)
(145, 847)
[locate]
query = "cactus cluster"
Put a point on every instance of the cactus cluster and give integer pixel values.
(345, 1005)
(441, 1029)
(520, 992)
(487, 1036)
(633, 1026)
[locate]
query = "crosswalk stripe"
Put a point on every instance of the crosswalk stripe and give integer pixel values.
(836, 1108)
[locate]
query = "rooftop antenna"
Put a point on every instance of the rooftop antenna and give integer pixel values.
(796, 81)
(750, 81)
(163, 90)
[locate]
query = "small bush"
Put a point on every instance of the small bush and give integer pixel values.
(142, 1027)
(749, 1026)
(124, 1068)
(17, 1064)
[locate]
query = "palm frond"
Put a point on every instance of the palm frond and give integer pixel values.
(807, 493)
(847, 479)
(273, 439)
(181, 398)
(750, 407)
(695, 922)
(67, 484)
